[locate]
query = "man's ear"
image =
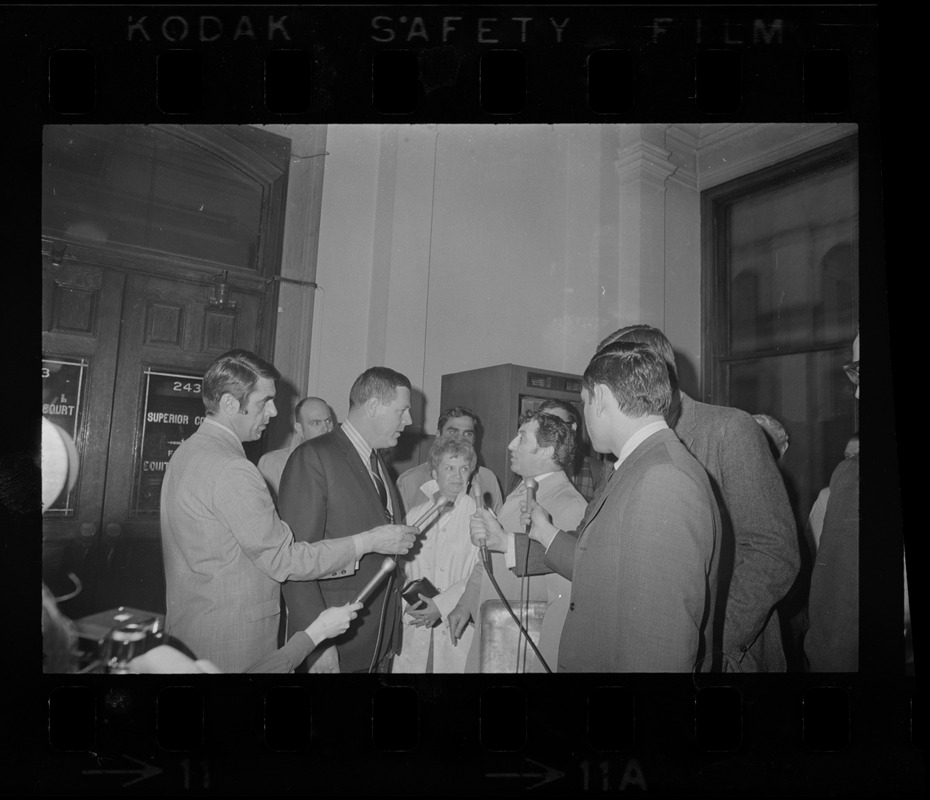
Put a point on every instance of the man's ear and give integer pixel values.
(599, 400)
(229, 404)
(371, 406)
(547, 452)
(298, 431)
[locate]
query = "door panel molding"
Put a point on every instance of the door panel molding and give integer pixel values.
(99, 349)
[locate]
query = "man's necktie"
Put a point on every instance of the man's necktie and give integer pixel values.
(376, 473)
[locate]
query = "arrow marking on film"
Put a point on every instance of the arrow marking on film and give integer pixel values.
(550, 774)
(147, 771)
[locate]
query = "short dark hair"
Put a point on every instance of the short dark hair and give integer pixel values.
(654, 338)
(450, 446)
(554, 432)
(453, 413)
(380, 382)
(235, 372)
(636, 375)
(571, 408)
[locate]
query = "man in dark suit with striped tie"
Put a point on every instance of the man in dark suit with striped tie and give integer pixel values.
(335, 486)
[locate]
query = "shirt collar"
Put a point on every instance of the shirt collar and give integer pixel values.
(364, 449)
(638, 438)
(520, 488)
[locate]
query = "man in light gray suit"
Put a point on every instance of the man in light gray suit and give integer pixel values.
(226, 551)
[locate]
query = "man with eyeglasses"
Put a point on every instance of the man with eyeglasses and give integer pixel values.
(461, 423)
(832, 640)
(312, 417)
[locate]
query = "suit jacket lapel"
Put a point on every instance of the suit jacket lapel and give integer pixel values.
(684, 428)
(592, 510)
(359, 469)
(398, 515)
(614, 480)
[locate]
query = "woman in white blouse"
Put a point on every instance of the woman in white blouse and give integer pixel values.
(444, 555)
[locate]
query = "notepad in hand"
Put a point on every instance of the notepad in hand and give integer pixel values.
(412, 591)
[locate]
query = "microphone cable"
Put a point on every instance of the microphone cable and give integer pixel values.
(439, 504)
(486, 558)
(486, 561)
(383, 615)
(530, 485)
(525, 601)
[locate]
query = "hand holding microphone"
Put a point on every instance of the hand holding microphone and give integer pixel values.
(388, 565)
(333, 621)
(486, 532)
(478, 527)
(539, 524)
(526, 507)
(389, 539)
(532, 513)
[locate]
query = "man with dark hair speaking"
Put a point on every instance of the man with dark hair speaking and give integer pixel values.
(542, 450)
(333, 487)
(226, 551)
(644, 563)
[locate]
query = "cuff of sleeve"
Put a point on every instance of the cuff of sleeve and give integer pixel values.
(510, 554)
(359, 548)
(298, 647)
(558, 533)
(445, 603)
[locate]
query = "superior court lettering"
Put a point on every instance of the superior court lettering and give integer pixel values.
(57, 410)
(171, 419)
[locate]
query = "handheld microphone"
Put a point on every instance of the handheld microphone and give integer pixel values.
(479, 503)
(476, 492)
(387, 566)
(530, 484)
(441, 502)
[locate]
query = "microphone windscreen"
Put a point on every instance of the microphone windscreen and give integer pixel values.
(439, 503)
(386, 566)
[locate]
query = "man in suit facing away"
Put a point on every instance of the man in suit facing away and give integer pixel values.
(333, 487)
(759, 548)
(226, 551)
(760, 555)
(643, 565)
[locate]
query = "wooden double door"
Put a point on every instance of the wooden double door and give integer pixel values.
(124, 349)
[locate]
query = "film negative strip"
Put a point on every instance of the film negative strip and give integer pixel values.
(796, 733)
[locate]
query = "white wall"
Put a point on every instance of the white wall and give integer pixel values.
(445, 248)
(448, 247)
